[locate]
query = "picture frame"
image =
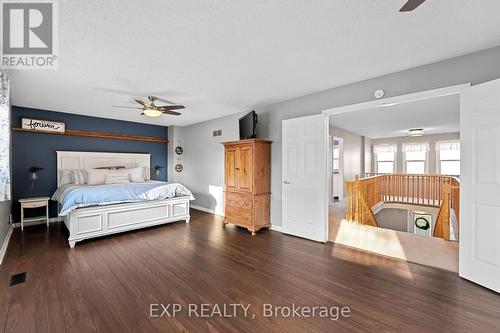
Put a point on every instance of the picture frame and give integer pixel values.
(43, 125)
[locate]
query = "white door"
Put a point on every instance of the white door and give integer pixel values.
(480, 185)
(305, 180)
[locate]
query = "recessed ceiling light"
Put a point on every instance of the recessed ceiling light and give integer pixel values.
(416, 132)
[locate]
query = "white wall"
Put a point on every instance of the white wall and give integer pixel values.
(393, 218)
(203, 159)
(474, 68)
(368, 155)
(431, 139)
(352, 153)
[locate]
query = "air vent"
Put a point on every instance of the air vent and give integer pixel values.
(217, 133)
(18, 278)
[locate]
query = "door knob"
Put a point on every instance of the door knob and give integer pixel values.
(286, 182)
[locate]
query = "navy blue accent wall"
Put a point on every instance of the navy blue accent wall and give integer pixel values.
(39, 149)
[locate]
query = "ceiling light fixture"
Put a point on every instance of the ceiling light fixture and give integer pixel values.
(416, 132)
(152, 112)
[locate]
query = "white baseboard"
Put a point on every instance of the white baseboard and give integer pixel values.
(27, 224)
(206, 210)
(3, 249)
(277, 228)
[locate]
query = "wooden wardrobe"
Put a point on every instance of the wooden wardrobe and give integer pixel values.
(247, 183)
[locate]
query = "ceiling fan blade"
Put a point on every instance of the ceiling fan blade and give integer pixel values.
(141, 102)
(171, 107)
(411, 5)
(173, 113)
(161, 99)
(126, 107)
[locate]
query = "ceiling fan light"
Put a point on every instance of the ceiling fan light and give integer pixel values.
(416, 132)
(152, 113)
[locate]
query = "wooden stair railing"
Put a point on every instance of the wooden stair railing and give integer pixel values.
(419, 189)
(442, 226)
(358, 209)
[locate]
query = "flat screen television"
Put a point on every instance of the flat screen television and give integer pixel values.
(248, 126)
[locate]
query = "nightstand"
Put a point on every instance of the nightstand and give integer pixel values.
(34, 203)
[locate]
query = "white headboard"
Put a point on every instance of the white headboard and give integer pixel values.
(90, 160)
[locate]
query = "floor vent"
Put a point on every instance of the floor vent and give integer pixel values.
(17, 278)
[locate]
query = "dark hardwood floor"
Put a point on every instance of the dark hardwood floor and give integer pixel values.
(108, 284)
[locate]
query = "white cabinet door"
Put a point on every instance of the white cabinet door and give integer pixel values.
(305, 180)
(480, 185)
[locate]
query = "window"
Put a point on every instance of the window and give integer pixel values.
(415, 157)
(448, 157)
(385, 158)
(4, 138)
(336, 160)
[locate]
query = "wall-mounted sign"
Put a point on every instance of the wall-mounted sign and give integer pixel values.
(179, 150)
(38, 125)
(179, 167)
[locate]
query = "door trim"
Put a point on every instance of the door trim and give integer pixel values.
(390, 101)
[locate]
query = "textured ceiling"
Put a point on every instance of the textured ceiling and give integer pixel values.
(227, 56)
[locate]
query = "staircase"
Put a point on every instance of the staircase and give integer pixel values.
(426, 190)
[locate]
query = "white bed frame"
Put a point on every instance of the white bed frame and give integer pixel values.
(96, 221)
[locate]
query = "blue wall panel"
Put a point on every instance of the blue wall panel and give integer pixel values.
(39, 149)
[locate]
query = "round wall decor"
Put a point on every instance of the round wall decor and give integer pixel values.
(422, 223)
(379, 94)
(179, 150)
(179, 167)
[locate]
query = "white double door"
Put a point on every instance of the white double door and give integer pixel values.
(304, 177)
(479, 259)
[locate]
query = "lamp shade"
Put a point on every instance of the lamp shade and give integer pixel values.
(152, 113)
(34, 172)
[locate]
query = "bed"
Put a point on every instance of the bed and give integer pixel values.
(90, 211)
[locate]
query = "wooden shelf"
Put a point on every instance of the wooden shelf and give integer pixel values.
(99, 135)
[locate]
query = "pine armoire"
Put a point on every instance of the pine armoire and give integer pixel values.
(247, 183)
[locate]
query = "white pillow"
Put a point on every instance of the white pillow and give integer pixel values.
(65, 177)
(116, 178)
(78, 177)
(96, 176)
(146, 173)
(136, 174)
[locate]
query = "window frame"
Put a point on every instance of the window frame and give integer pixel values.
(425, 161)
(394, 161)
(439, 160)
(426, 155)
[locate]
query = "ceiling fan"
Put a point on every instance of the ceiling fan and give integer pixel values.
(411, 5)
(151, 110)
